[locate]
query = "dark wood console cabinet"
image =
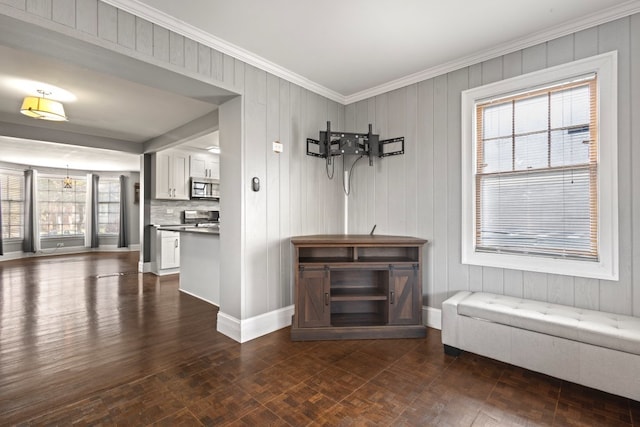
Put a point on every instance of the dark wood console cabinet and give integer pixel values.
(357, 287)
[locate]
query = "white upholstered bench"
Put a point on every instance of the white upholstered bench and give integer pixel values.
(592, 348)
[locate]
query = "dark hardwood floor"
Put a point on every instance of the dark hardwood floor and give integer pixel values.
(85, 340)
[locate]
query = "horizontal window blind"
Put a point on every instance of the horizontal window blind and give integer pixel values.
(108, 206)
(12, 195)
(536, 172)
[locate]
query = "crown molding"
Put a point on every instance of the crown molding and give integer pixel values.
(570, 27)
(169, 22)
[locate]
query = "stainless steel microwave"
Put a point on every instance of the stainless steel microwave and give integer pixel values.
(205, 188)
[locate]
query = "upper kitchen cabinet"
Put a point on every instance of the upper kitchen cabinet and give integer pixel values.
(170, 171)
(205, 165)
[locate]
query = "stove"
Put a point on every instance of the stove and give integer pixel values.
(201, 218)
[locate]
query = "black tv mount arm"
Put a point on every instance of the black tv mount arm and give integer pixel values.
(368, 144)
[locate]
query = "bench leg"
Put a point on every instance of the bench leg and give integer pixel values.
(452, 351)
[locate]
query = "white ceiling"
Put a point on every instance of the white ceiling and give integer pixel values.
(105, 106)
(351, 49)
(104, 110)
(351, 46)
(54, 155)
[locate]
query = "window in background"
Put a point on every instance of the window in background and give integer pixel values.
(108, 206)
(12, 194)
(539, 171)
(61, 210)
(536, 186)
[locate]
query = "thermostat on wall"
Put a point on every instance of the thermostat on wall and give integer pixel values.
(278, 147)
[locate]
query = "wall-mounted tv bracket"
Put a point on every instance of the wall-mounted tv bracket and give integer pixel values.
(333, 144)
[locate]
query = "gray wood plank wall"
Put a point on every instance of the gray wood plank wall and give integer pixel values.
(429, 193)
(296, 196)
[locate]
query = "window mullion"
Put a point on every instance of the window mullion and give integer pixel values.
(513, 135)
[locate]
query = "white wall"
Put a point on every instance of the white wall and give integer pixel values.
(295, 197)
(420, 193)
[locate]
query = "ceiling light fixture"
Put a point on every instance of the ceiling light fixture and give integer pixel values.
(67, 182)
(39, 107)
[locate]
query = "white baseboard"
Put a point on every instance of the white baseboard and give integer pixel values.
(144, 267)
(229, 326)
(432, 317)
(254, 327)
(166, 271)
(66, 250)
(152, 267)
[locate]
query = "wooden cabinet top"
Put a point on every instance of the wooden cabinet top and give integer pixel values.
(356, 240)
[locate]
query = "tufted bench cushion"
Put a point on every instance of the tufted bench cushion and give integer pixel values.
(598, 328)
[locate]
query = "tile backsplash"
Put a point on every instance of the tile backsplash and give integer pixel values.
(168, 212)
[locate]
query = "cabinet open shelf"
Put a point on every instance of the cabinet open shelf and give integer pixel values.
(358, 294)
(357, 287)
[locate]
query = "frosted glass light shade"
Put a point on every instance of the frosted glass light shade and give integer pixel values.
(43, 108)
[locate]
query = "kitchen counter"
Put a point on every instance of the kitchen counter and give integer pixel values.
(185, 228)
(199, 260)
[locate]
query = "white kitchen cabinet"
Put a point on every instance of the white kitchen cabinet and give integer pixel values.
(205, 166)
(169, 256)
(170, 171)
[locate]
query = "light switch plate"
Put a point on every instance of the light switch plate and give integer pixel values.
(278, 147)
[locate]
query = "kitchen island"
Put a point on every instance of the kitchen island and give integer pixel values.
(199, 261)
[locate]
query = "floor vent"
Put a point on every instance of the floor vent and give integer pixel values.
(125, 273)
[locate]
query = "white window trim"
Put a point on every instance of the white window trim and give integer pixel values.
(605, 66)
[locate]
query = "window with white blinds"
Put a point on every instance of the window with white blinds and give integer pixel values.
(61, 210)
(539, 171)
(108, 206)
(12, 195)
(536, 186)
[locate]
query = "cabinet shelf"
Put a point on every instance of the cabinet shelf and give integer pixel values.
(357, 287)
(387, 260)
(357, 294)
(345, 262)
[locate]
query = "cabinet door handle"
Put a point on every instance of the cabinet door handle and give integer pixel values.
(326, 298)
(393, 295)
(176, 244)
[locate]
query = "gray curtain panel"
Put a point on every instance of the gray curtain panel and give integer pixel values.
(95, 179)
(29, 241)
(123, 234)
(1, 250)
